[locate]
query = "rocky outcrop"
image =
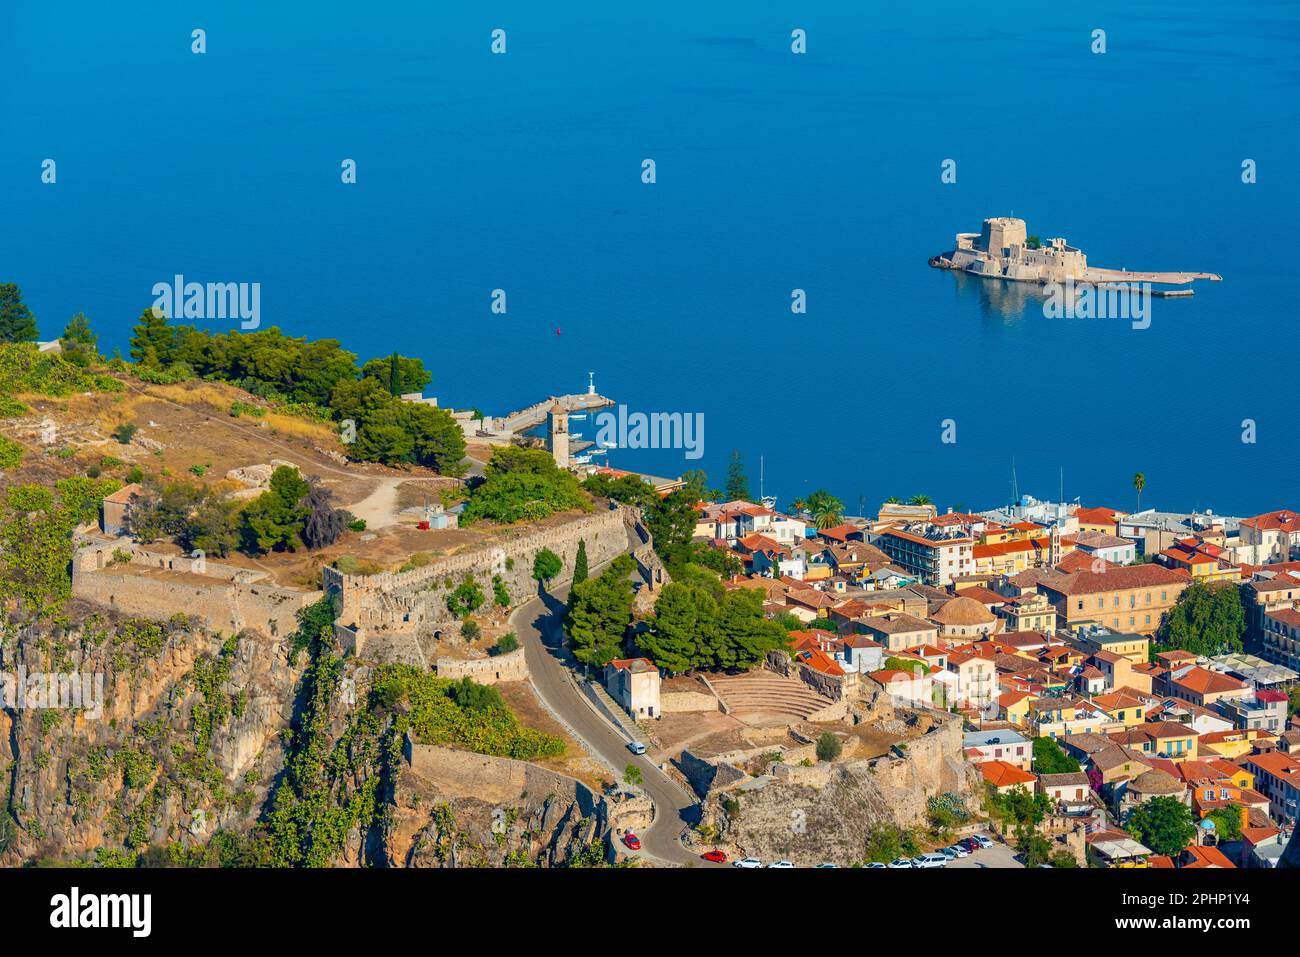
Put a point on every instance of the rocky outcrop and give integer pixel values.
(826, 812)
(451, 808)
(189, 738)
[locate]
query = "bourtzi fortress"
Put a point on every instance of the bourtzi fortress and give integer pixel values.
(1002, 250)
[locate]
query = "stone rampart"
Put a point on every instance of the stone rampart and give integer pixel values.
(512, 666)
(225, 598)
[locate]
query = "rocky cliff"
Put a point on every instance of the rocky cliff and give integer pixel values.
(179, 735)
(451, 808)
(826, 812)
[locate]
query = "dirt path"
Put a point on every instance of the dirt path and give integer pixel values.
(379, 508)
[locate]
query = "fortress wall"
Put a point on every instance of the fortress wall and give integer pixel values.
(486, 671)
(407, 600)
(464, 774)
(227, 607)
(222, 597)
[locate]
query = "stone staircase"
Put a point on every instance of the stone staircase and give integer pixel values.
(764, 696)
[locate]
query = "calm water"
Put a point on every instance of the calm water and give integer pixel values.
(775, 171)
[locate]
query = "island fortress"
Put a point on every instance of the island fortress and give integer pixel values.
(1002, 250)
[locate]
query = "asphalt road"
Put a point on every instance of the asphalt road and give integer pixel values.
(538, 626)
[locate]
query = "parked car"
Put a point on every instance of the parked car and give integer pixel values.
(900, 863)
(982, 841)
(930, 860)
(748, 862)
(958, 850)
(636, 747)
(827, 865)
(948, 853)
(781, 864)
(632, 841)
(970, 844)
(717, 857)
(872, 864)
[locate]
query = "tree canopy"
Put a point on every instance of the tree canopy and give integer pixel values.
(737, 482)
(600, 610)
(692, 628)
(1163, 824)
(523, 483)
(17, 324)
(1208, 619)
(1049, 758)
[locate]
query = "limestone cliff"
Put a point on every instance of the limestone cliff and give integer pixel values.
(188, 741)
(451, 808)
(826, 812)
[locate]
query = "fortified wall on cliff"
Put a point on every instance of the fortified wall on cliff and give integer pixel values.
(136, 581)
(393, 608)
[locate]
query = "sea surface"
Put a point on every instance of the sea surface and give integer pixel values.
(775, 172)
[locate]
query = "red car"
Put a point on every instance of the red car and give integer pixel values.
(717, 857)
(632, 841)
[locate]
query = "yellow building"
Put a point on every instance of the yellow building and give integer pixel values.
(1124, 598)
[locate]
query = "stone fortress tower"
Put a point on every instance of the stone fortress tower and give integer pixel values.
(557, 434)
(1002, 250)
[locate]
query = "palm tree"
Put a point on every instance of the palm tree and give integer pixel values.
(825, 508)
(1139, 483)
(919, 500)
(893, 500)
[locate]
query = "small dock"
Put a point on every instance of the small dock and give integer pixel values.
(1103, 276)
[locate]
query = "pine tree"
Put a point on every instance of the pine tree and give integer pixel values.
(580, 563)
(737, 483)
(17, 324)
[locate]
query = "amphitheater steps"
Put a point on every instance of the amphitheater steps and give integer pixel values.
(768, 694)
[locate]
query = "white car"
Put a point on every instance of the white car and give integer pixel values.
(781, 864)
(983, 841)
(636, 747)
(900, 864)
(748, 862)
(930, 860)
(876, 864)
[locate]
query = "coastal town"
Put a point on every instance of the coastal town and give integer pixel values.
(337, 624)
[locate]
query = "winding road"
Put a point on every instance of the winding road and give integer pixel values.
(537, 623)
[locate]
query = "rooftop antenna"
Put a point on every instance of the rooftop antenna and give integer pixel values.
(1062, 486)
(1015, 488)
(591, 383)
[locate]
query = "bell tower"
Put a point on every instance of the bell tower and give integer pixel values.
(557, 434)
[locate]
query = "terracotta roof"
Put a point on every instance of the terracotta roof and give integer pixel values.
(123, 495)
(1285, 520)
(1117, 578)
(962, 611)
(1156, 782)
(897, 623)
(1206, 857)
(1098, 515)
(1000, 774)
(1202, 681)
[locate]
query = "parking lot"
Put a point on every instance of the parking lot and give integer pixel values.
(999, 855)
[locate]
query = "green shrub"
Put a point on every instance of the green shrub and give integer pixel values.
(11, 454)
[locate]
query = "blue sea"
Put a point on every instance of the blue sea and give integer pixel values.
(774, 172)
